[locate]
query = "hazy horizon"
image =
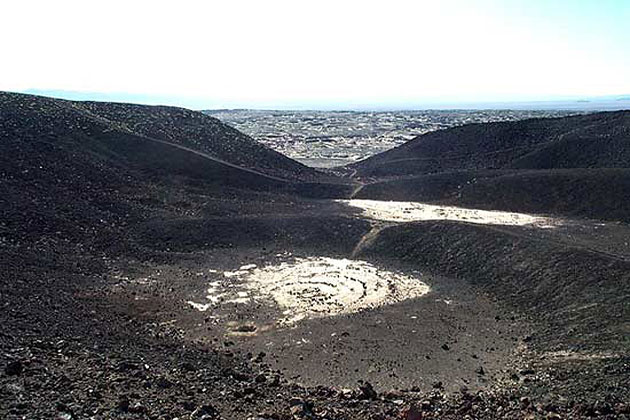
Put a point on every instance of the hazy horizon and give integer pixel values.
(319, 55)
(608, 102)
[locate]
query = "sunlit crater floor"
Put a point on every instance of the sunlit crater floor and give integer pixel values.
(329, 317)
(311, 287)
(407, 211)
(306, 287)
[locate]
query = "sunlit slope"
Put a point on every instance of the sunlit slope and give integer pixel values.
(576, 166)
(87, 169)
(600, 140)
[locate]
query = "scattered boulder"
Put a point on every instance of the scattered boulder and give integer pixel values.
(242, 377)
(123, 404)
(14, 368)
(300, 408)
(410, 413)
(188, 405)
(126, 366)
(188, 367)
(367, 392)
(245, 328)
(138, 408)
(164, 383)
(205, 411)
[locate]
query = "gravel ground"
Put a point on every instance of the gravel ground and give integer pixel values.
(104, 231)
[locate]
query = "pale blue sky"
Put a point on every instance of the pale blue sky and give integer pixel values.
(317, 54)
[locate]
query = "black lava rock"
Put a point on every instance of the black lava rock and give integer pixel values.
(14, 368)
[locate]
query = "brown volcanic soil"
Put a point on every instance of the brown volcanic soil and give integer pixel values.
(103, 232)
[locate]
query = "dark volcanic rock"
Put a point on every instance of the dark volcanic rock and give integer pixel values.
(367, 392)
(599, 140)
(14, 368)
(99, 201)
(549, 165)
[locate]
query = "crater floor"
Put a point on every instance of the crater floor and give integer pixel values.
(312, 287)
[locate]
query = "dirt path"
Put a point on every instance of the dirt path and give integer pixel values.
(124, 127)
(368, 238)
(356, 190)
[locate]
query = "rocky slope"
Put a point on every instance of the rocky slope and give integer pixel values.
(591, 193)
(113, 216)
(572, 166)
(27, 116)
(597, 140)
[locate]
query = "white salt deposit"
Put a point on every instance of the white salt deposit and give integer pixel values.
(409, 211)
(202, 307)
(313, 287)
(321, 286)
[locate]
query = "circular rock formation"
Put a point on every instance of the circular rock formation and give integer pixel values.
(322, 286)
